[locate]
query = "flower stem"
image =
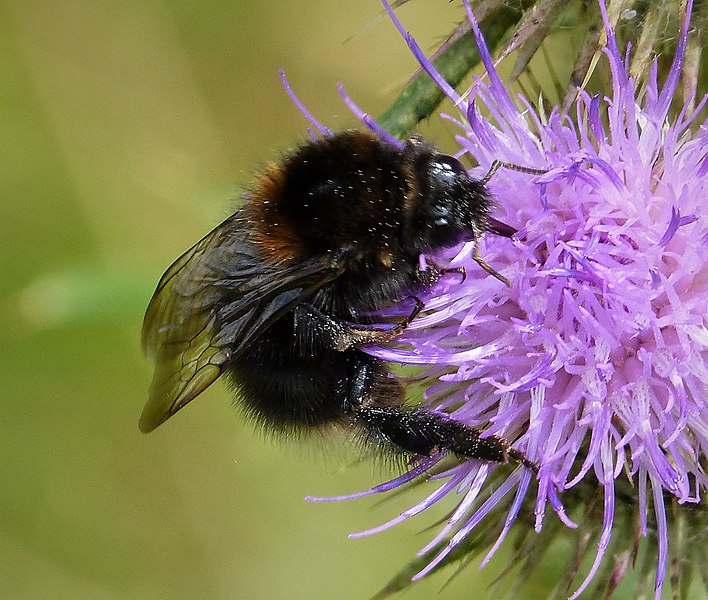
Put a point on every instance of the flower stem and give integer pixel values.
(421, 97)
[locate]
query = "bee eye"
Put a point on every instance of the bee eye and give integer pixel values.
(441, 213)
(445, 175)
(447, 168)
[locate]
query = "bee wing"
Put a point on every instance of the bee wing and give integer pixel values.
(211, 304)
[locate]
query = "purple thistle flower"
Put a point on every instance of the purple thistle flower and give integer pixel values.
(593, 360)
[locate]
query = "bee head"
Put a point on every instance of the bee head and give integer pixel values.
(445, 206)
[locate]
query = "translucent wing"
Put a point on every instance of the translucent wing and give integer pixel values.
(210, 305)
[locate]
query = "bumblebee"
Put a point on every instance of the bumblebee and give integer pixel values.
(276, 296)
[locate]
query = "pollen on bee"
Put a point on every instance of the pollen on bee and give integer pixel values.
(385, 259)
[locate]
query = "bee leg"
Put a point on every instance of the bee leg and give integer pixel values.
(341, 335)
(423, 432)
(403, 325)
(416, 431)
(431, 273)
(482, 263)
(455, 271)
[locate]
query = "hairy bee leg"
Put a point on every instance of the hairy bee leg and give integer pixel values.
(342, 335)
(423, 432)
(417, 431)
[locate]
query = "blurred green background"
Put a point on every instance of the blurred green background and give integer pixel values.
(128, 129)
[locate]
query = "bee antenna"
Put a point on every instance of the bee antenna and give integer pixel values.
(498, 164)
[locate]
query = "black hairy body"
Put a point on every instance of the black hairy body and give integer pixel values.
(276, 297)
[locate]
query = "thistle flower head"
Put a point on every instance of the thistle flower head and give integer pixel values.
(593, 360)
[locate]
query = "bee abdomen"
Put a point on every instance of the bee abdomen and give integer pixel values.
(288, 389)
